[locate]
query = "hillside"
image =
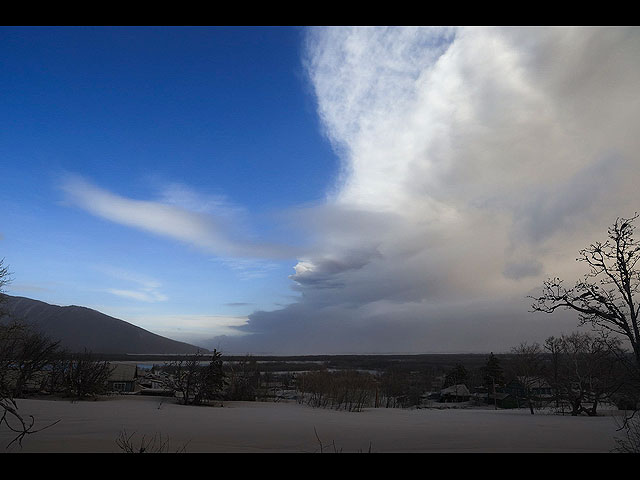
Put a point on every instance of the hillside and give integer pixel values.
(80, 328)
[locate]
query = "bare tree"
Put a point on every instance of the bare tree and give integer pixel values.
(393, 385)
(85, 376)
(11, 337)
(630, 442)
(155, 444)
(527, 365)
(493, 376)
(182, 376)
(588, 372)
(33, 351)
(553, 346)
(348, 390)
(197, 383)
(5, 279)
(244, 379)
(606, 297)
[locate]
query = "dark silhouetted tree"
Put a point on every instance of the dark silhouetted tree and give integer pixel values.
(12, 338)
(211, 379)
(5, 279)
(393, 385)
(606, 297)
(553, 347)
(195, 382)
(528, 368)
(588, 372)
(85, 376)
(493, 375)
(457, 375)
(243, 379)
(32, 353)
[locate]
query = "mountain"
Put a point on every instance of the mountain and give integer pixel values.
(80, 328)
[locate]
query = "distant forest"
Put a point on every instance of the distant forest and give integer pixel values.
(438, 361)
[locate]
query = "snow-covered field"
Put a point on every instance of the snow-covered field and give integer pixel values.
(94, 426)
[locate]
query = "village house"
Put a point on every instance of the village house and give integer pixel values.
(455, 393)
(123, 378)
(525, 387)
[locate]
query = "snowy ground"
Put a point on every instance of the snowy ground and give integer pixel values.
(94, 426)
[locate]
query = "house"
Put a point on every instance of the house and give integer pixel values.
(534, 387)
(122, 378)
(455, 393)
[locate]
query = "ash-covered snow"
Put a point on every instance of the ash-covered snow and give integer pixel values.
(94, 426)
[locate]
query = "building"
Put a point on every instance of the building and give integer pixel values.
(529, 387)
(122, 378)
(455, 393)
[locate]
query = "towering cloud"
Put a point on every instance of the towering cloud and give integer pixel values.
(475, 163)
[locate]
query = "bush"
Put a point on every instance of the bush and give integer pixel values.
(344, 390)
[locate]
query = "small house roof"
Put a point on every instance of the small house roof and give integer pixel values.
(459, 389)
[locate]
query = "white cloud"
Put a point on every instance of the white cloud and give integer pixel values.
(143, 296)
(138, 287)
(247, 269)
(475, 164)
(206, 222)
(190, 328)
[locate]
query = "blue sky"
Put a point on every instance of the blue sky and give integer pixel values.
(222, 113)
(314, 190)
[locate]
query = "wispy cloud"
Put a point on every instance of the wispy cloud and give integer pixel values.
(143, 296)
(191, 328)
(27, 287)
(208, 223)
(247, 269)
(138, 287)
